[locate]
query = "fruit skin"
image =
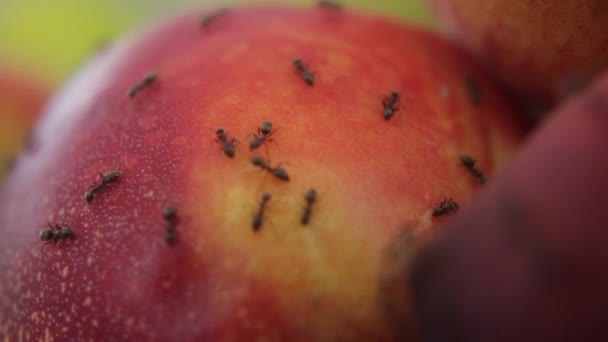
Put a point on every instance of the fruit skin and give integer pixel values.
(22, 97)
(529, 256)
(543, 50)
(377, 181)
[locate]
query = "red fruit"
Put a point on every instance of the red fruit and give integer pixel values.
(529, 259)
(232, 263)
(543, 50)
(21, 99)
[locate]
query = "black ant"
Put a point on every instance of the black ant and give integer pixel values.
(170, 235)
(331, 5)
(264, 132)
(473, 88)
(207, 20)
(306, 74)
(56, 233)
(227, 145)
(147, 81)
(447, 206)
(278, 172)
(311, 197)
(469, 164)
(107, 179)
(258, 219)
(169, 214)
(390, 103)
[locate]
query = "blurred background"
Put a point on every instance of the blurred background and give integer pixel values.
(43, 42)
(50, 38)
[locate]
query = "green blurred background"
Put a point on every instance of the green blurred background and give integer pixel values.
(43, 42)
(50, 38)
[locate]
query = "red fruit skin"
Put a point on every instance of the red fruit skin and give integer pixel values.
(529, 258)
(339, 278)
(543, 50)
(22, 97)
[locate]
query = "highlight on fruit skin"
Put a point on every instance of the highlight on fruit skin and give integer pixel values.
(234, 260)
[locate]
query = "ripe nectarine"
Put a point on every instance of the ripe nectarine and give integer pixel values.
(183, 241)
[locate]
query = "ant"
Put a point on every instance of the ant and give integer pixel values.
(278, 172)
(330, 5)
(302, 69)
(170, 235)
(227, 145)
(107, 179)
(169, 214)
(447, 206)
(147, 81)
(311, 197)
(207, 20)
(390, 103)
(264, 132)
(259, 217)
(473, 88)
(469, 164)
(56, 233)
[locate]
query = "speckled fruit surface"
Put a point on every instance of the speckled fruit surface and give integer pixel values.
(341, 277)
(544, 50)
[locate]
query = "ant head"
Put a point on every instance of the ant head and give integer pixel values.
(395, 93)
(266, 127)
(88, 196)
(219, 131)
(150, 77)
(266, 197)
(311, 195)
(169, 212)
(46, 235)
(257, 161)
(111, 177)
(467, 160)
(297, 62)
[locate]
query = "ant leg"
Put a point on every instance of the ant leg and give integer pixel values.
(266, 145)
(266, 148)
(274, 141)
(252, 134)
